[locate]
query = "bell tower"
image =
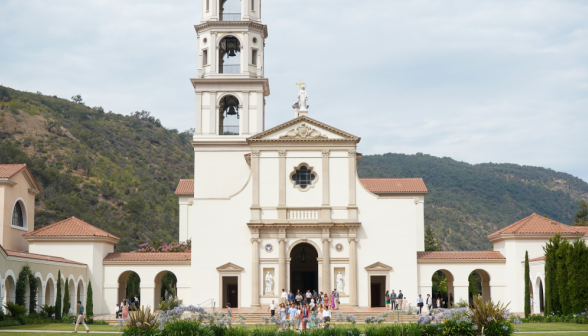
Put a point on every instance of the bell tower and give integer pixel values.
(230, 90)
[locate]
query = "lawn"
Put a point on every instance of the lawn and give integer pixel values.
(3, 333)
(556, 334)
(552, 327)
(58, 327)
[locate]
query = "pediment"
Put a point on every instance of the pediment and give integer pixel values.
(378, 267)
(303, 129)
(230, 267)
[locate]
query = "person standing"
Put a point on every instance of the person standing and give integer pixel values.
(400, 299)
(125, 309)
(117, 311)
(81, 318)
(387, 300)
(404, 303)
(229, 311)
(429, 302)
(298, 298)
(333, 300)
(393, 298)
(284, 297)
(290, 297)
(450, 300)
(336, 299)
(420, 304)
(283, 312)
(327, 316)
(319, 315)
(272, 309)
(304, 315)
(292, 312)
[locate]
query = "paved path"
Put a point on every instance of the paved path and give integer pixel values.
(56, 331)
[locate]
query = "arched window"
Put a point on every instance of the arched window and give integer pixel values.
(230, 10)
(17, 216)
(228, 119)
(229, 56)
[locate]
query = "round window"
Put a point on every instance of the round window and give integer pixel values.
(255, 40)
(204, 40)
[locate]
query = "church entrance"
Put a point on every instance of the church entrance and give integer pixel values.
(303, 268)
(377, 288)
(230, 291)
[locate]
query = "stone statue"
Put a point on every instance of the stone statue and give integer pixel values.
(269, 283)
(302, 98)
(340, 282)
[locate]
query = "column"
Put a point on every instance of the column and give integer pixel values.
(255, 274)
(326, 285)
(352, 208)
(245, 53)
(213, 51)
(282, 215)
(282, 265)
(353, 271)
(245, 114)
(147, 293)
(460, 290)
(260, 111)
(212, 108)
(198, 125)
(325, 214)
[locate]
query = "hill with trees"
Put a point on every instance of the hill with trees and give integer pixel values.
(119, 173)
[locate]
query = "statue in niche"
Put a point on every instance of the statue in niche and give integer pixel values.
(269, 283)
(340, 282)
(302, 98)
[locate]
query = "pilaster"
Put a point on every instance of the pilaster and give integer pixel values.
(245, 114)
(255, 208)
(282, 215)
(255, 273)
(326, 270)
(352, 208)
(198, 124)
(213, 110)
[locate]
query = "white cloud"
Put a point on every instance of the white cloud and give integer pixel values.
(479, 81)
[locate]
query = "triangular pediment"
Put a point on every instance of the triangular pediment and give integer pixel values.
(378, 267)
(230, 267)
(303, 129)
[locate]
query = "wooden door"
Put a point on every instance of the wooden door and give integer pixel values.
(375, 294)
(234, 295)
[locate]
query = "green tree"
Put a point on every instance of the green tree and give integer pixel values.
(58, 297)
(527, 287)
(66, 303)
(90, 302)
(33, 288)
(431, 241)
(562, 271)
(21, 286)
(77, 99)
(581, 217)
(551, 293)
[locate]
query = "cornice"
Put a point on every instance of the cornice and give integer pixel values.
(68, 239)
(162, 262)
(212, 24)
(45, 262)
(7, 181)
(231, 80)
(527, 236)
(347, 137)
(459, 261)
(312, 223)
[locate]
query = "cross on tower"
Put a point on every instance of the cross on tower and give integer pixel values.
(300, 84)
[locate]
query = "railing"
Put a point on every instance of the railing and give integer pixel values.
(212, 304)
(228, 130)
(230, 68)
(230, 16)
(303, 214)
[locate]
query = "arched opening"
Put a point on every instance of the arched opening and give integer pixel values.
(228, 119)
(230, 10)
(165, 287)
(9, 289)
(442, 289)
(73, 302)
(40, 296)
(50, 292)
(303, 268)
(81, 293)
(62, 284)
(129, 289)
(479, 285)
(229, 55)
(19, 215)
(539, 295)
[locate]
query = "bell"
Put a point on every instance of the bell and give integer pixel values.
(231, 110)
(232, 53)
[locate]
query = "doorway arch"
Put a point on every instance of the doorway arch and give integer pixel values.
(166, 284)
(129, 286)
(479, 285)
(442, 288)
(303, 268)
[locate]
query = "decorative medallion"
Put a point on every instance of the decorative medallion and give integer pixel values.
(303, 132)
(339, 247)
(269, 248)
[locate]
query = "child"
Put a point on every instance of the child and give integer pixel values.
(229, 311)
(327, 316)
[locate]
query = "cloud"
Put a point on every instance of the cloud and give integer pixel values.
(479, 81)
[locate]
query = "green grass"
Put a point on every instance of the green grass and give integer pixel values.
(43, 333)
(558, 334)
(552, 327)
(59, 327)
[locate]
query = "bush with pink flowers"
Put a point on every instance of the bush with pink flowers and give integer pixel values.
(161, 246)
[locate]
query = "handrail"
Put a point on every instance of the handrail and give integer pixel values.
(209, 300)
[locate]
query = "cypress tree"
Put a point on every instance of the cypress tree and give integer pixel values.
(575, 281)
(562, 277)
(58, 297)
(89, 302)
(66, 299)
(552, 302)
(527, 289)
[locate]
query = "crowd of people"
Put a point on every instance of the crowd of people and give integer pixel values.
(309, 310)
(132, 304)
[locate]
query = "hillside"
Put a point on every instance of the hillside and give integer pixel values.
(119, 173)
(466, 202)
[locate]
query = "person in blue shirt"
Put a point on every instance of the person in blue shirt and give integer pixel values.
(290, 297)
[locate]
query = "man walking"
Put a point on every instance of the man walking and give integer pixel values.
(290, 297)
(336, 295)
(272, 308)
(284, 297)
(429, 303)
(81, 317)
(393, 300)
(420, 304)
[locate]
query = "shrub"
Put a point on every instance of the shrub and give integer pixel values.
(9, 323)
(14, 309)
(141, 322)
(170, 303)
(485, 314)
(49, 310)
(90, 302)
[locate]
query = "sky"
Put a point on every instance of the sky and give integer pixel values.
(477, 81)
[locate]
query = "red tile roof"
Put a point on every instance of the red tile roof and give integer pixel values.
(394, 185)
(459, 255)
(583, 229)
(535, 259)
(536, 224)
(148, 256)
(71, 227)
(185, 187)
(9, 170)
(21, 254)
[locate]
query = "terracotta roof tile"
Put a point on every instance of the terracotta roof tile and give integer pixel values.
(9, 170)
(536, 224)
(583, 229)
(148, 256)
(71, 227)
(21, 254)
(394, 185)
(185, 187)
(459, 255)
(535, 259)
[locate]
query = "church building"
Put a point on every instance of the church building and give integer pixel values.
(269, 209)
